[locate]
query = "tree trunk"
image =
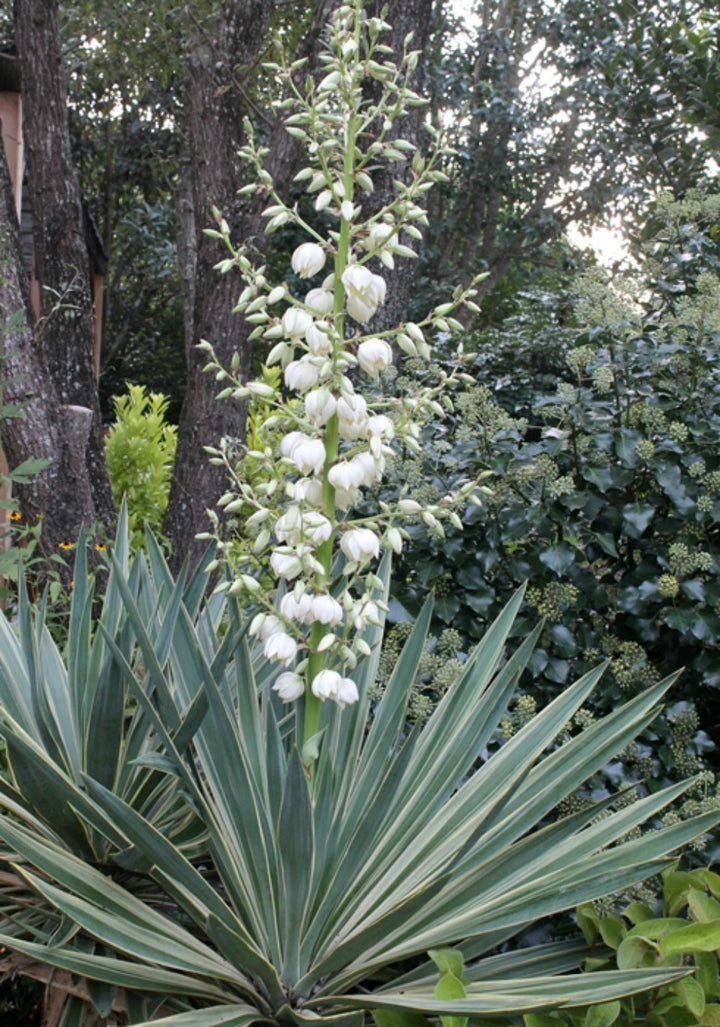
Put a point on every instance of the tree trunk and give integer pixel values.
(215, 108)
(46, 429)
(65, 330)
(413, 16)
(214, 133)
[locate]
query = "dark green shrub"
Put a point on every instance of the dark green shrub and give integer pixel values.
(605, 495)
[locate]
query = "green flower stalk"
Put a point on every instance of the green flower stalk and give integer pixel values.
(335, 442)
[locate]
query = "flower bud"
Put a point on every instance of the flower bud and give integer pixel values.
(280, 352)
(409, 506)
(394, 540)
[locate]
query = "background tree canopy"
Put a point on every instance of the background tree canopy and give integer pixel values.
(559, 114)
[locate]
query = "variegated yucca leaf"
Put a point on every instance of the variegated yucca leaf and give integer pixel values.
(203, 864)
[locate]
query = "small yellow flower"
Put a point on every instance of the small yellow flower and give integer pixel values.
(100, 548)
(67, 545)
(16, 515)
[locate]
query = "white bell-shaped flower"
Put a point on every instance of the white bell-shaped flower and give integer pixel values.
(298, 526)
(301, 375)
(364, 291)
(308, 259)
(286, 564)
(289, 686)
(365, 613)
(352, 417)
(320, 300)
(295, 323)
(318, 341)
(378, 236)
(281, 647)
(329, 684)
(326, 609)
(374, 356)
(369, 469)
(264, 625)
(320, 405)
(308, 490)
(307, 453)
(287, 526)
(360, 545)
(297, 608)
(380, 426)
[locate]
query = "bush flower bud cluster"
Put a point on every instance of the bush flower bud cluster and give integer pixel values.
(336, 428)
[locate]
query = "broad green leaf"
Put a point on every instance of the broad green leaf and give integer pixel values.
(450, 987)
(448, 961)
(602, 1015)
(702, 906)
(612, 931)
(692, 995)
(634, 952)
(656, 929)
(398, 1018)
(706, 973)
(542, 1020)
(636, 518)
(693, 937)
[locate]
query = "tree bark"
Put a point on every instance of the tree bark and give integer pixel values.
(46, 428)
(412, 16)
(65, 330)
(215, 108)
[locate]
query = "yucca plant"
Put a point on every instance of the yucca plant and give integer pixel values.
(318, 896)
(70, 712)
(222, 815)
